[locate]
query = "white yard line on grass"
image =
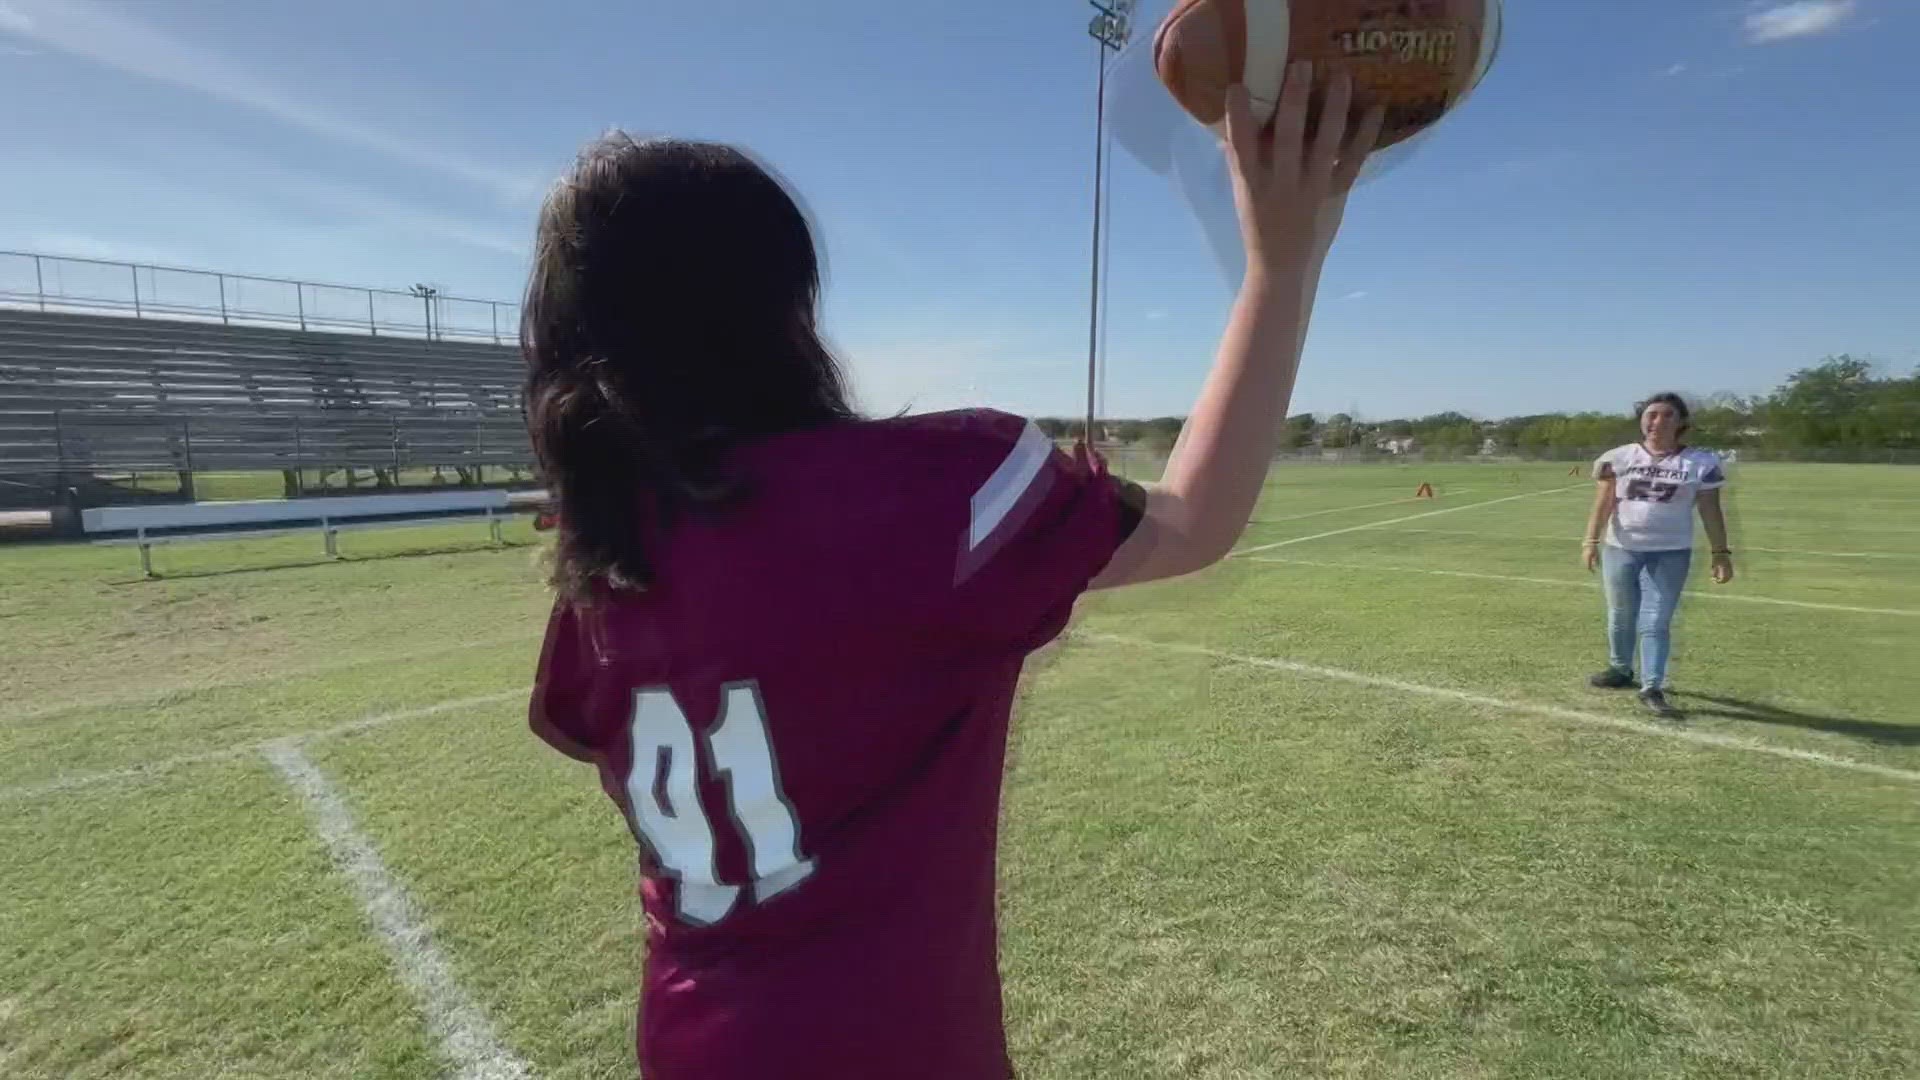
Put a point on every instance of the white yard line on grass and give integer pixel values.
(465, 1035)
(1362, 506)
(1703, 738)
(1396, 521)
(1713, 594)
(154, 768)
(1572, 539)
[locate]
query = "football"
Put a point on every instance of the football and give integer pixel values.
(1419, 57)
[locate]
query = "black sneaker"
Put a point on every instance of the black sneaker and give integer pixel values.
(1656, 702)
(1612, 679)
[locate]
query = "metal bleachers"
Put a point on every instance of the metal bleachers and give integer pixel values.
(87, 395)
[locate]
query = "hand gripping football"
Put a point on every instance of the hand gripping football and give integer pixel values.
(1419, 57)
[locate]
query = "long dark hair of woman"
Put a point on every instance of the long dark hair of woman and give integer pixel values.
(671, 316)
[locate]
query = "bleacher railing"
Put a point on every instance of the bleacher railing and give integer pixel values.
(69, 284)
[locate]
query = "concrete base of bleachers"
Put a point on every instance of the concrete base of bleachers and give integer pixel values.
(26, 524)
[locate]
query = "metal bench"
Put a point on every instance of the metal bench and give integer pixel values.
(150, 525)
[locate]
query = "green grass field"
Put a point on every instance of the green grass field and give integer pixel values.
(1341, 808)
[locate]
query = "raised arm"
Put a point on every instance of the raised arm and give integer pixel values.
(1291, 197)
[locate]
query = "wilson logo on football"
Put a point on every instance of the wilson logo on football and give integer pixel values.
(1427, 46)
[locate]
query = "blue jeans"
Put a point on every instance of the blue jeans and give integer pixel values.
(1643, 590)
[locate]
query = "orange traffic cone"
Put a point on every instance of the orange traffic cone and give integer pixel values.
(1425, 492)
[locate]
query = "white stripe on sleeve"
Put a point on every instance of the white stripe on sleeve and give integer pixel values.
(1002, 491)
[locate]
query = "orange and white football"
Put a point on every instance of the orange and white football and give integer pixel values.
(1419, 57)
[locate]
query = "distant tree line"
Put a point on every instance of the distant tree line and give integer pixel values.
(1839, 407)
(1157, 434)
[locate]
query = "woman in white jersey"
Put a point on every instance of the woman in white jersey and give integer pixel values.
(1645, 500)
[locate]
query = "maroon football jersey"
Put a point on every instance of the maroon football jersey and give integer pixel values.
(804, 723)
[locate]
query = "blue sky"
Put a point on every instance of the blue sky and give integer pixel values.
(1694, 194)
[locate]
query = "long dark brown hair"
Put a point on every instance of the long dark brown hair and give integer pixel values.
(671, 316)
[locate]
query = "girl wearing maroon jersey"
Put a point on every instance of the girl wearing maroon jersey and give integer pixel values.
(788, 637)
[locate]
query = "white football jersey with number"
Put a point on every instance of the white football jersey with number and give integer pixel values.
(1654, 494)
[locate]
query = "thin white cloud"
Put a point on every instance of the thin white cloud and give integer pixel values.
(323, 228)
(436, 225)
(84, 29)
(1156, 314)
(365, 206)
(1357, 294)
(923, 371)
(338, 206)
(81, 246)
(1677, 69)
(1796, 19)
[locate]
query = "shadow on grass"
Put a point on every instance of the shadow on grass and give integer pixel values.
(411, 553)
(1756, 712)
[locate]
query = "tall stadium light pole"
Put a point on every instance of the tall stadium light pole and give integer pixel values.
(427, 294)
(1110, 29)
